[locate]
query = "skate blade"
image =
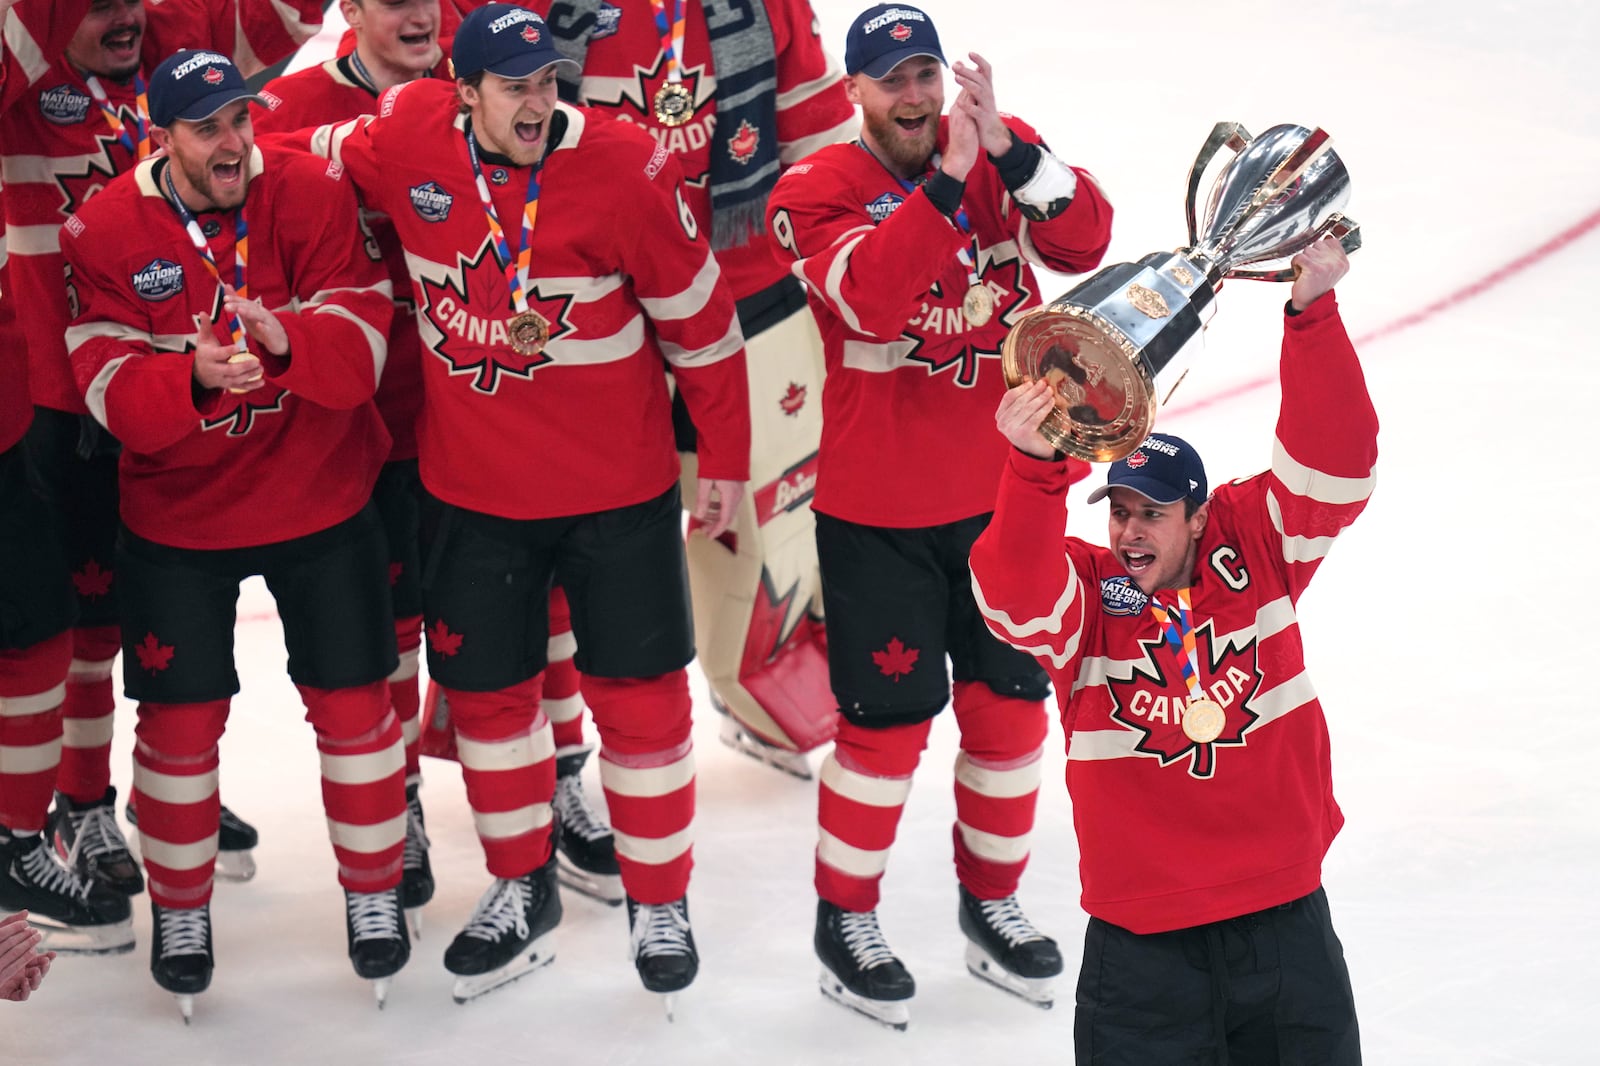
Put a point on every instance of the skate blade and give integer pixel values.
(414, 920)
(793, 763)
(186, 1008)
(895, 1014)
(603, 888)
(236, 866)
(380, 991)
(669, 1003)
(116, 939)
(1036, 991)
(535, 956)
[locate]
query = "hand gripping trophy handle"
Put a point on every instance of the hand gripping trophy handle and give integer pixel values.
(1103, 344)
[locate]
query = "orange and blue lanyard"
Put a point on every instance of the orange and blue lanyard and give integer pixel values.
(671, 36)
(140, 149)
(241, 252)
(1177, 630)
(515, 266)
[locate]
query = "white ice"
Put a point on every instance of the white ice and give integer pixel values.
(1464, 882)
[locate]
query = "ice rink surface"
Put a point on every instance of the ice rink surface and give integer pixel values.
(1464, 882)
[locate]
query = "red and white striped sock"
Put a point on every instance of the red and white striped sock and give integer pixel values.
(175, 771)
(508, 761)
(32, 687)
(866, 780)
(87, 714)
(996, 787)
(363, 781)
(405, 690)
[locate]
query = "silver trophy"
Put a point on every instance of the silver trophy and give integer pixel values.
(1105, 344)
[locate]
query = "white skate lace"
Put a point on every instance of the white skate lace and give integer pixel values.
(40, 867)
(1005, 917)
(416, 836)
(575, 814)
(183, 932)
(864, 939)
(504, 907)
(95, 836)
(373, 915)
(661, 929)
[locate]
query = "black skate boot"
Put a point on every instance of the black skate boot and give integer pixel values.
(585, 847)
(77, 916)
(663, 947)
(236, 839)
(379, 946)
(416, 872)
(859, 971)
(181, 959)
(508, 936)
(88, 840)
(1005, 949)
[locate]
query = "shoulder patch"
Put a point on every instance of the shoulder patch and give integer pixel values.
(158, 280)
(1121, 597)
(335, 170)
(799, 168)
(607, 20)
(884, 206)
(64, 105)
(272, 100)
(73, 225)
(431, 201)
(658, 159)
(386, 103)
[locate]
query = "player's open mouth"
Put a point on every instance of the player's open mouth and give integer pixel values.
(912, 125)
(529, 132)
(227, 173)
(124, 41)
(1137, 562)
(417, 40)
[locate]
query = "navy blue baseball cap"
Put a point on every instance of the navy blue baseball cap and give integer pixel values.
(884, 36)
(1164, 469)
(195, 84)
(512, 42)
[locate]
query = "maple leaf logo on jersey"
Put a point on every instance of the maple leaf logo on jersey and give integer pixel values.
(793, 399)
(92, 582)
(895, 659)
(744, 142)
(96, 169)
(441, 640)
(1230, 676)
(154, 656)
(241, 417)
(633, 96)
(463, 317)
(1007, 282)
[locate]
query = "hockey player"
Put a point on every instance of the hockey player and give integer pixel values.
(254, 33)
(36, 606)
(1198, 752)
(238, 373)
(394, 44)
(914, 243)
(546, 449)
(735, 105)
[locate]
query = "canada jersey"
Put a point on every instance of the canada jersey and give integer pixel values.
(1175, 831)
(908, 436)
(583, 424)
(327, 94)
(625, 66)
(253, 33)
(208, 468)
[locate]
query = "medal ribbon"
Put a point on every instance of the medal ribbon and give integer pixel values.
(671, 36)
(516, 267)
(1177, 630)
(241, 251)
(141, 105)
(968, 254)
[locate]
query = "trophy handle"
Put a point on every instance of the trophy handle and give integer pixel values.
(1346, 230)
(1235, 137)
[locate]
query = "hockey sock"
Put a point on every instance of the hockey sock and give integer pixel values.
(561, 701)
(508, 762)
(647, 773)
(363, 781)
(865, 782)
(997, 787)
(175, 787)
(32, 686)
(86, 714)
(405, 690)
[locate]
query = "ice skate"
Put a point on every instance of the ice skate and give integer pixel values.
(416, 873)
(1005, 949)
(858, 969)
(663, 948)
(735, 735)
(379, 946)
(76, 916)
(508, 936)
(181, 958)
(86, 837)
(236, 841)
(585, 848)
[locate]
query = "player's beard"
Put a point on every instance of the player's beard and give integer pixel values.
(908, 155)
(200, 178)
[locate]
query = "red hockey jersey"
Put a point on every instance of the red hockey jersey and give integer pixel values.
(622, 275)
(326, 94)
(626, 65)
(908, 435)
(208, 468)
(1174, 833)
(253, 33)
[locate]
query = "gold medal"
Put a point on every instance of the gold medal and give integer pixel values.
(1203, 721)
(978, 305)
(673, 104)
(530, 331)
